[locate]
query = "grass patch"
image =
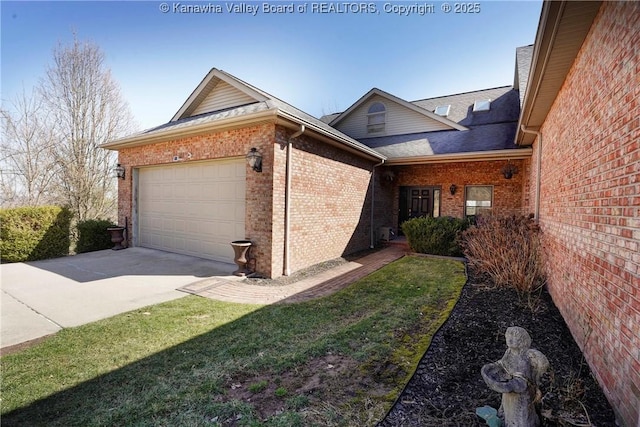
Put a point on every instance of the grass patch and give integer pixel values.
(339, 360)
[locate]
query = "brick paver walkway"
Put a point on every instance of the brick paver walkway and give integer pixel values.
(326, 283)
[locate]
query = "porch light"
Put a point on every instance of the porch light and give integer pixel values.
(452, 189)
(119, 170)
(254, 158)
(509, 170)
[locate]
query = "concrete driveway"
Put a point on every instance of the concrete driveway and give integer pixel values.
(41, 297)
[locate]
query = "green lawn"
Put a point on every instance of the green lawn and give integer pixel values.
(340, 360)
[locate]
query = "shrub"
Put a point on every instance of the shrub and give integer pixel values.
(93, 235)
(437, 236)
(508, 250)
(33, 233)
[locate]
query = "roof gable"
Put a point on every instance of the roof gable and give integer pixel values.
(403, 115)
(218, 91)
(193, 118)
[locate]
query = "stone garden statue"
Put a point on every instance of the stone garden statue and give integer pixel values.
(517, 376)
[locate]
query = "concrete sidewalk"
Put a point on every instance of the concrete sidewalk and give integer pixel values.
(41, 297)
(309, 288)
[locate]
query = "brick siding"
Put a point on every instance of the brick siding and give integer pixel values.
(218, 145)
(329, 205)
(507, 193)
(330, 202)
(590, 203)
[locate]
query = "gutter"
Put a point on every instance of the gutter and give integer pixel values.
(286, 269)
(513, 154)
(538, 170)
(550, 18)
(348, 142)
(373, 199)
(180, 130)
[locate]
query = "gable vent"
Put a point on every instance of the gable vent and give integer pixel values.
(442, 110)
(482, 105)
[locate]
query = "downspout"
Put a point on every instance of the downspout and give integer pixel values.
(373, 190)
(286, 269)
(538, 135)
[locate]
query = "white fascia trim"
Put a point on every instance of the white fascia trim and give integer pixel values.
(474, 156)
(353, 146)
(181, 132)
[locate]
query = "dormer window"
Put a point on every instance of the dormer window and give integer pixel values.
(482, 105)
(376, 118)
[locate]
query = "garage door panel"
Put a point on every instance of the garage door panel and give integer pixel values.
(194, 209)
(239, 211)
(156, 223)
(211, 190)
(180, 192)
(179, 243)
(240, 191)
(206, 229)
(192, 227)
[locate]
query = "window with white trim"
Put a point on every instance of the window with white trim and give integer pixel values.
(376, 118)
(478, 199)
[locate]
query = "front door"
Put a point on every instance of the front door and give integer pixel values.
(417, 202)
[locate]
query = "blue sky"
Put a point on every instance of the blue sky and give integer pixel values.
(319, 61)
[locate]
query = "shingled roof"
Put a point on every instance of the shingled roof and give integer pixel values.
(502, 109)
(489, 137)
(266, 106)
(488, 131)
(524, 55)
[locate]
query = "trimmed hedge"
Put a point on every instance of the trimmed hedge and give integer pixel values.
(93, 235)
(33, 233)
(436, 236)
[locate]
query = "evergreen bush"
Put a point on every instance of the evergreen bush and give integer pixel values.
(33, 233)
(93, 235)
(436, 236)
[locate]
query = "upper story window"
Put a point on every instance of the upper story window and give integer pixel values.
(376, 117)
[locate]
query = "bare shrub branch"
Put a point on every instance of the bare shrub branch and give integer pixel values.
(508, 250)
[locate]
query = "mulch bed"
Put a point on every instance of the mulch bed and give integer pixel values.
(447, 387)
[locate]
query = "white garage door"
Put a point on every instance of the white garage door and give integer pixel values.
(193, 209)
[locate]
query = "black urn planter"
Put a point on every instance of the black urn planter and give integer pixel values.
(117, 237)
(241, 256)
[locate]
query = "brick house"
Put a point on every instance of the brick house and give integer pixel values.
(581, 116)
(445, 156)
(562, 143)
(189, 189)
